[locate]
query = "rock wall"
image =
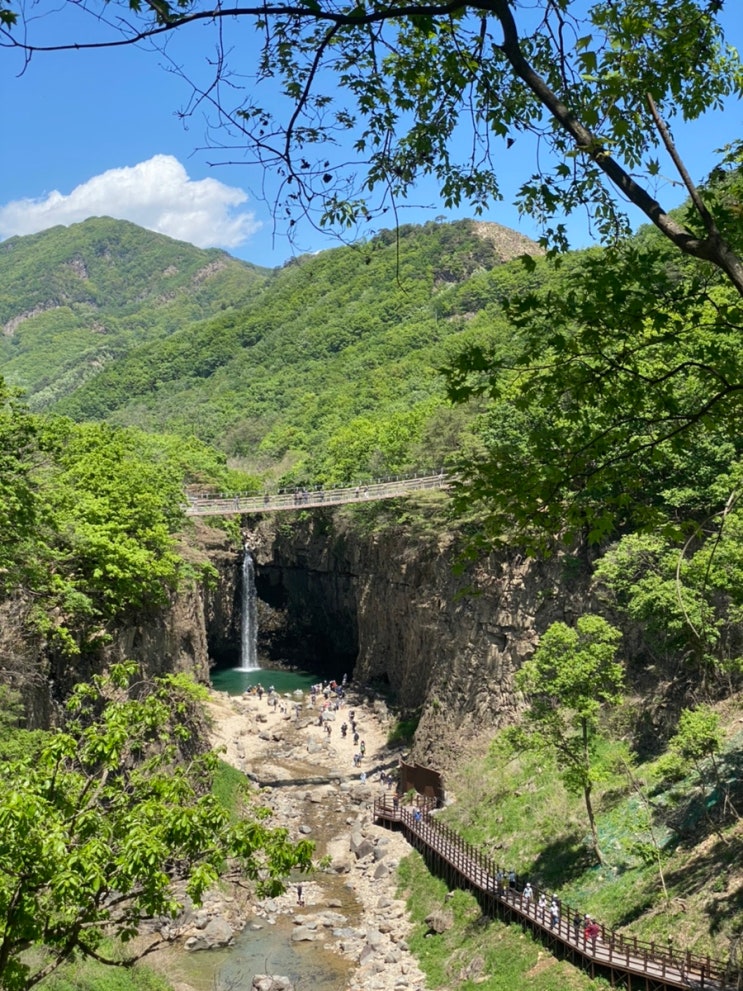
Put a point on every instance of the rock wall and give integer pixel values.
(390, 602)
(163, 640)
(388, 607)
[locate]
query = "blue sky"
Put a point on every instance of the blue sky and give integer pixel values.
(93, 133)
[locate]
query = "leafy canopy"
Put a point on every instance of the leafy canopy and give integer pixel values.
(351, 103)
(113, 821)
(571, 677)
(621, 389)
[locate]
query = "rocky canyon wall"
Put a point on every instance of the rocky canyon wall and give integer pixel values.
(392, 605)
(386, 606)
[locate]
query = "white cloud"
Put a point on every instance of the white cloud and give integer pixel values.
(156, 194)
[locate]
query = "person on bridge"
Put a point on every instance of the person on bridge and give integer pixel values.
(554, 912)
(592, 931)
(542, 906)
(527, 895)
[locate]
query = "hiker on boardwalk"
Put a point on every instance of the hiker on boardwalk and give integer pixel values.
(542, 906)
(527, 895)
(592, 931)
(499, 882)
(554, 913)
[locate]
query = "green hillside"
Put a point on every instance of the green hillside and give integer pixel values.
(330, 369)
(75, 299)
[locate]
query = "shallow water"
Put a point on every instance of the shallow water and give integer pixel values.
(268, 950)
(259, 951)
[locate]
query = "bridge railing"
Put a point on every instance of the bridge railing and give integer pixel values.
(312, 498)
(680, 968)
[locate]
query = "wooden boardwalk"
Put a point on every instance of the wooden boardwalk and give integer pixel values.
(312, 498)
(625, 961)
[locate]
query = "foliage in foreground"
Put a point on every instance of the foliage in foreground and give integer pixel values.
(113, 821)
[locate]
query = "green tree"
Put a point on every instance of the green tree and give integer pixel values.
(620, 395)
(683, 601)
(433, 89)
(113, 821)
(18, 456)
(570, 678)
(698, 742)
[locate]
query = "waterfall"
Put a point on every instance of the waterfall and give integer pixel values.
(249, 625)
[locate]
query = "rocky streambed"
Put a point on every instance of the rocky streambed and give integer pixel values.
(348, 930)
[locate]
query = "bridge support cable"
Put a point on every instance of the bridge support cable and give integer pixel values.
(313, 498)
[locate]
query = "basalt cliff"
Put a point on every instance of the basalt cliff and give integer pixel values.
(390, 608)
(395, 610)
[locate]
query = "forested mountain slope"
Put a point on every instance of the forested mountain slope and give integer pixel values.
(74, 299)
(329, 365)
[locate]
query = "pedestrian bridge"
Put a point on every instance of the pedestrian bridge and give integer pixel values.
(309, 498)
(623, 961)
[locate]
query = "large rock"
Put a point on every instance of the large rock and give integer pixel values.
(216, 933)
(440, 921)
(270, 982)
(361, 846)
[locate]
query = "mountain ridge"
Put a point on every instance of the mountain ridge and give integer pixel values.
(268, 365)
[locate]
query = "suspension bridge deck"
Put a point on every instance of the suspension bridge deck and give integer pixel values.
(309, 498)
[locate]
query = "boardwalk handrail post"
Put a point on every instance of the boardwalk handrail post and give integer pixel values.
(476, 870)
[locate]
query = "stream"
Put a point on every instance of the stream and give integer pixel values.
(265, 946)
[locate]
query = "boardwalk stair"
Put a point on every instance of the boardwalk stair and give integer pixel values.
(625, 961)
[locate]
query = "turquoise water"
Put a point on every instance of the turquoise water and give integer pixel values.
(235, 681)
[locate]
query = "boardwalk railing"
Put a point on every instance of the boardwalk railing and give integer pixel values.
(624, 956)
(308, 498)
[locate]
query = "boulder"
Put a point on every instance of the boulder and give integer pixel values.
(271, 982)
(440, 921)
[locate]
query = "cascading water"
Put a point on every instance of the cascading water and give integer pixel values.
(249, 626)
